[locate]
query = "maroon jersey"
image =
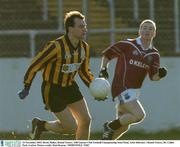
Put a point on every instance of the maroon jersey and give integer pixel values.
(133, 64)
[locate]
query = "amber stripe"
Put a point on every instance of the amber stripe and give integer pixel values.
(68, 61)
(58, 63)
(46, 94)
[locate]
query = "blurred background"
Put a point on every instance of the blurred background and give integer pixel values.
(26, 25)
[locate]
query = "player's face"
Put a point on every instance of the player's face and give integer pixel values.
(147, 31)
(79, 30)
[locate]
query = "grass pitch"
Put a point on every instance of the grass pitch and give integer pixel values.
(172, 134)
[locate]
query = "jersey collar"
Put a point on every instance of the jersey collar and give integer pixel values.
(138, 41)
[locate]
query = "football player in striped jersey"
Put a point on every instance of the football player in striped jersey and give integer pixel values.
(60, 60)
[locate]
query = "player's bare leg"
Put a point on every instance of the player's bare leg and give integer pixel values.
(133, 112)
(130, 113)
(81, 114)
(123, 129)
(65, 124)
(119, 132)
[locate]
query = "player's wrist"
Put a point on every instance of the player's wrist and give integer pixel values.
(103, 73)
(27, 86)
(104, 68)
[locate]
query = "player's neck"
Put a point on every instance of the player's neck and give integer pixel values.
(146, 43)
(74, 41)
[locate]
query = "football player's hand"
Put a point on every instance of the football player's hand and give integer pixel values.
(101, 99)
(162, 72)
(23, 93)
(103, 73)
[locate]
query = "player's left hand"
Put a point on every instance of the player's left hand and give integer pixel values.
(162, 72)
(101, 99)
(23, 93)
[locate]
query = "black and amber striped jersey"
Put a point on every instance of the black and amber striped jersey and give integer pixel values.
(60, 61)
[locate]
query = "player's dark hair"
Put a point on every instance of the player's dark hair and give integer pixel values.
(69, 19)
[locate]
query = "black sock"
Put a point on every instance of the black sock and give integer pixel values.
(42, 125)
(115, 124)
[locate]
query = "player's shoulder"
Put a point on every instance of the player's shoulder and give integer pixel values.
(127, 44)
(131, 40)
(53, 43)
(49, 44)
(153, 52)
(58, 41)
(128, 41)
(59, 38)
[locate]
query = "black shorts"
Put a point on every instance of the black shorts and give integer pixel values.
(56, 98)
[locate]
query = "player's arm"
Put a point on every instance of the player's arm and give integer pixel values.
(104, 62)
(47, 55)
(104, 67)
(110, 53)
(84, 71)
(156, 72)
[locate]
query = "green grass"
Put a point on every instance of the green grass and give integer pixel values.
(173, 134)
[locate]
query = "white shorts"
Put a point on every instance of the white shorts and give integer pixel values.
(129, 95)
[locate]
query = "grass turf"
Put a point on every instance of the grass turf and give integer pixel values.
(172, 134)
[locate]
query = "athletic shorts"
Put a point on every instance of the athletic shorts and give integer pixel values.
(129, 95)
(56, 98)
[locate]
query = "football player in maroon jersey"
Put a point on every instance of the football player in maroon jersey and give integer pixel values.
(136, 58)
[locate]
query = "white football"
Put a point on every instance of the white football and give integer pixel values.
(100, 88)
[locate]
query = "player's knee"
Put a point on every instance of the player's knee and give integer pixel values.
(126, 127)
(87, 121)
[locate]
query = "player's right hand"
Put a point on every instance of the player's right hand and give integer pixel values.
(103, 73)
(23, 93)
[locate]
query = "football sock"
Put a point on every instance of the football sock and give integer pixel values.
(42, 125)
(115, 124)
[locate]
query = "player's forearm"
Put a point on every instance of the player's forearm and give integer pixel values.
(104, 62)
(156, 77)
(28, 78)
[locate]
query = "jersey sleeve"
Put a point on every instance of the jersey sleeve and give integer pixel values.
(114, 51)
(45, 56)
(84, 71)
(154, 66)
